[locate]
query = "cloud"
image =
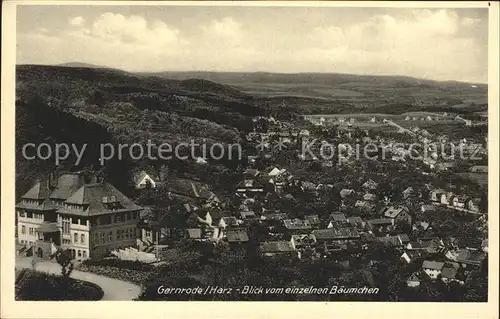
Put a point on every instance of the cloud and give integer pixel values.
(77, 21)
(425, 44)
(467, 22)
(434, 44)
(225, 28)
(132, 30)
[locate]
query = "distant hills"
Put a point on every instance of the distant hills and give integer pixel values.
(65, 102)
(311, 78)
(82, 65)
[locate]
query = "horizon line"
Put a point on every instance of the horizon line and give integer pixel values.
(95, 66)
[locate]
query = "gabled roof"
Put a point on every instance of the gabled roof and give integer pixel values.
(251, 172)
(404, 238)
(416, 276)
(230, 221)
(237, 235)
(138, 177)
(45, 205)
(297, 224)
(409, 190)
(303, 238)
(355, 220)
(39, 191)
(276, 246)
(249, 183)
(390, 240)
(393, 212)
(434, 265)
(313, 219)
(370, 184)
(346, 192)
(335, 233)
(275, 216)
(370, 197)
(470, 256)
(67, 184)
(276, 171)
(92, 196)
(338, 217)
(363, 205)
(247, 214)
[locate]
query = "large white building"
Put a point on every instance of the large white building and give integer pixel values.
(90, 219)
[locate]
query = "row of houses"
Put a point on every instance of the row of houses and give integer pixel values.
(454, 268)
(450, 200)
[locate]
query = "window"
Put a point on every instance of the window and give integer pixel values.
(83, 221)
(31, 243)
(66, 226)
(23, 229)
(31, 230)
(23, 214)
(113, 199)
(101, 238)
(29, 215)
(75, 238)
(84, 254)
(118, 218)
(82, 238)
(110, 236)
(79, 253)
(105, 199)
(134, 215)
(66, 241)
(38, 216)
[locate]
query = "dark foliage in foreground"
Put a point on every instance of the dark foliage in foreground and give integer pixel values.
(41, 286)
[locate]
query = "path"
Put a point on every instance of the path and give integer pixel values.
(114, 289)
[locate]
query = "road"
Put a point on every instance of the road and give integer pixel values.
(114, 289)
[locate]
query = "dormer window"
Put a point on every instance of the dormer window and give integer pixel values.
(105, 199)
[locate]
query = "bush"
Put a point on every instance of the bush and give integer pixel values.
(134, 276)
(42, 286)
(118, 263)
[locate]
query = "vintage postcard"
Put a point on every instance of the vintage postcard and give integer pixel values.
(302, 158)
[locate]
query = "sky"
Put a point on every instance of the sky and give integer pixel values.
(438, 44)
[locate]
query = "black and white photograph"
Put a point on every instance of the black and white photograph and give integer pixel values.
(222, 152)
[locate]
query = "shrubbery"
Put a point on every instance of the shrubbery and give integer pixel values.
(42, 286)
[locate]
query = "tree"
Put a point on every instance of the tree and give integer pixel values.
(63, 258)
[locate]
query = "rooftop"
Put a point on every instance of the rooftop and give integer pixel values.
(237, 235)
(276, 246)
(434, 265)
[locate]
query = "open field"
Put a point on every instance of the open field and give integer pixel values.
(478, 178)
